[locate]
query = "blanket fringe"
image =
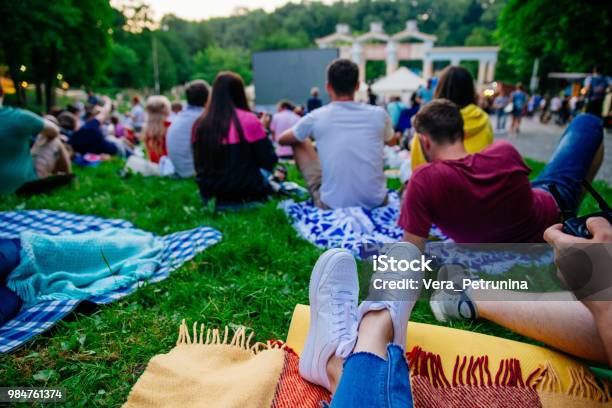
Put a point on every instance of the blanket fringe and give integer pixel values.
(544, 378)
(472, 371)
(583, 384)
(215, 337)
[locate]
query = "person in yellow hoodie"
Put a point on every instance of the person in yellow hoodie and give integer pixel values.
(457, 85)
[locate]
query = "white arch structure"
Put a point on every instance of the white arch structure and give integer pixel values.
(376, 45)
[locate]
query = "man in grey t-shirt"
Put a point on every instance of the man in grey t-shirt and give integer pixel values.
(178, 139)
(346, 169)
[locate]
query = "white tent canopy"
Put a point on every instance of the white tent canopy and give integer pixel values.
(400, 83)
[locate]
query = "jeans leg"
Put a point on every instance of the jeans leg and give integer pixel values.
(572, 159)
(363, 382)
(370, 381)
(9, 256)
(10, 303)
(399, 393)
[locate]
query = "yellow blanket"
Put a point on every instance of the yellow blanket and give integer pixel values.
(225, 373)
(556, 376)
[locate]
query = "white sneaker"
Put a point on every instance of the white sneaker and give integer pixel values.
(399, 302)
(333, 293)
(457, 304)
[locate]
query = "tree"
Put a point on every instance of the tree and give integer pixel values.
(282, 40)
(123, 67)
(479, 36)
(90, 43)
(179, 59)
(566, 35)
(67, 37)
(213, 59)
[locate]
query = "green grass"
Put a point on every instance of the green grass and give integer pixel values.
(254, 277)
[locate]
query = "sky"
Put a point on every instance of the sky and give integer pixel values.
(203, 9)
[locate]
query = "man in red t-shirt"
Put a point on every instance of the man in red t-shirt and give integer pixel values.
(487, 197)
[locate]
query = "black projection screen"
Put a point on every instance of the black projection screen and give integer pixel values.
(290, 74)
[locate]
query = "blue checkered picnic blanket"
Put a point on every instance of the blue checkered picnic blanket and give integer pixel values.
(351, 227)
(179, 247)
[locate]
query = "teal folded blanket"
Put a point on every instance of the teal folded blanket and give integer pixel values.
(56, 267)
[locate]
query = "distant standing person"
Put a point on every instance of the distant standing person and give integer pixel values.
(394, 109)
(555, 108)
(314, 102)
(405, 118)
(137, 114)
(372, 97)
(180, 132)
(426, 93)
(500, 103)
(596, 85)
(519, 100)
(285, 118)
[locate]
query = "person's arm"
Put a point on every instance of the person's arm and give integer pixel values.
(570, 254)
(105, 111)
(388, 133)
(587, 85)
(50, 130)
(287, 138)
(415, 239)
(298, 133)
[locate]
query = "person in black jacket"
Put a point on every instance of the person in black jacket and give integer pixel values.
(314, 102)
(233, 155)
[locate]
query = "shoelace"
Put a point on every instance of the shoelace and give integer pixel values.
(345, 321)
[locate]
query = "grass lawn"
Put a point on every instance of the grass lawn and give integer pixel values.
(254, 277)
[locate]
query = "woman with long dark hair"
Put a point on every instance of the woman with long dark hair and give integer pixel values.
(231, 147)
(457, 85)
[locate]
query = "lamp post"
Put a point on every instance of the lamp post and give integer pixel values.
(155, 61)
(533, 83)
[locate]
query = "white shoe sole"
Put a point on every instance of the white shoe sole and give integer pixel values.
(436, 308)
(308, 360)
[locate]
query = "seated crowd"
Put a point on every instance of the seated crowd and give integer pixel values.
(473, 189)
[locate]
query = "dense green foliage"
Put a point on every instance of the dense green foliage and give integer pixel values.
(200, 49)
(47, 38)
(564, 34)
(92, 44)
